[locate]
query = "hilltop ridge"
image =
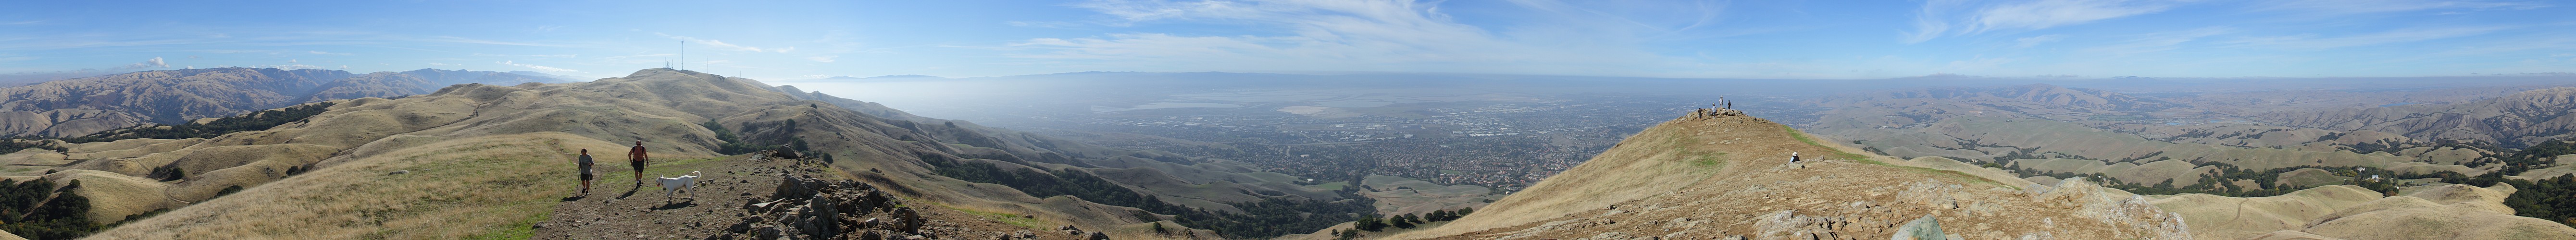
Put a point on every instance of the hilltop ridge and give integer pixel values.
(1731, 176)
(1728, 176)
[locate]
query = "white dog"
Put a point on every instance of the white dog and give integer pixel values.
(676, 184)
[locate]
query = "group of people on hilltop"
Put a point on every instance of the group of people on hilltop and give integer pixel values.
(635, 157)
(1721, 108)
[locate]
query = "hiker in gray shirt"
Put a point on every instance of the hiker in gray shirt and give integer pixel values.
(585, 171)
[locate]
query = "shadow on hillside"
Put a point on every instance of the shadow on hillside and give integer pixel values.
(630, 192)
(575, 198)
(679, 205)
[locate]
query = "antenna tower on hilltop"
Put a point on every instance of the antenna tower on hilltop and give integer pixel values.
(684, 54)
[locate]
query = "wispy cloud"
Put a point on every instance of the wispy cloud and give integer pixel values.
(480, 41)
(529, 55)
(2393, 36)
(328, 53)
(2341, 7)
(726, 46)
(154, 63)
(822, 58)
(1376, 35)
(1940, 18)
(539, 68)
(2036, 40)
(2157, 42)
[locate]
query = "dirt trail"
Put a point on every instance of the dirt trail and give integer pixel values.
(619, 208)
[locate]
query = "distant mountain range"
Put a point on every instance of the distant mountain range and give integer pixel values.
(80, 106)
(2515, 121)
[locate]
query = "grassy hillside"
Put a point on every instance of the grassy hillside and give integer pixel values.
(1662, 181)
(461, 188)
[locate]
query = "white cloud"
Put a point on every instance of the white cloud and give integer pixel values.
(1939, 18)
(2036, 40)
(1045, 24)
(290, 61)
(539, 68)
(1376, 35)
(155, 62)
(725, 46)
(822, 58)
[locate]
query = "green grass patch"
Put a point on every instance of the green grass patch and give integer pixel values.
(1332, 185)
(1708, 160)
(1013, 219)
(1834, 153)
(523, 229)
(1682, 143)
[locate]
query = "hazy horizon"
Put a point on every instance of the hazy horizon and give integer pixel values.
(1665, 39)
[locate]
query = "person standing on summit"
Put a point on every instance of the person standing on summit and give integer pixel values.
(635, 157)
(585, 171)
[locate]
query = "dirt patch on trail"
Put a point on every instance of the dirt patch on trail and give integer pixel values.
(619, 208)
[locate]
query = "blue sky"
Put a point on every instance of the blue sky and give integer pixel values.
(965, 38)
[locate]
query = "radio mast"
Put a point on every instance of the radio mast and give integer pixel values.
(684, 54)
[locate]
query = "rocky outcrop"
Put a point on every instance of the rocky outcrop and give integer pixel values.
(809, 208)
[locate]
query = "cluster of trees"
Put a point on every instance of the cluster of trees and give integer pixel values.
(1373, 223)
(22, 143)
(254, 121)
(2222, 182)
(2549, 199)
(2541, 155)
(1271, 217)
(37, 210)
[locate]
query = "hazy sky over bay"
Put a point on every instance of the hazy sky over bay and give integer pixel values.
(1714, 39)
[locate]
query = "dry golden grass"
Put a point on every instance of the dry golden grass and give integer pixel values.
(458, 188)
(1717, 177)
(1654, 162)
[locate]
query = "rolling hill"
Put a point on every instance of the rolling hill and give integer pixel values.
(74, 107)
(486, 159)
(1729, 177)
(2517, 120)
